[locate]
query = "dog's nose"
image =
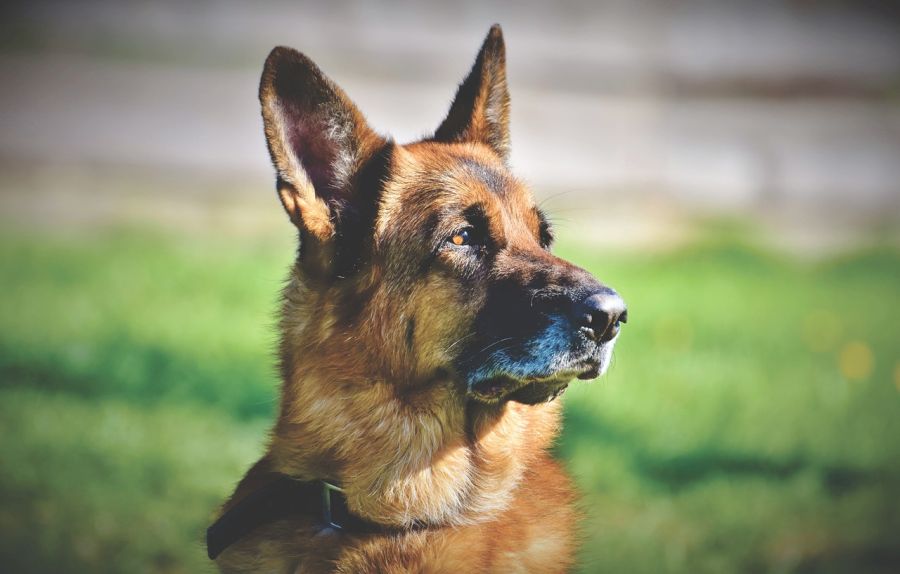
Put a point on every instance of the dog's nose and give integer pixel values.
(601, 313)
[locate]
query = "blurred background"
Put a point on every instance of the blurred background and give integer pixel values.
(732, 168)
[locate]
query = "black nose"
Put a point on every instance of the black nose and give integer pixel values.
(601, 313)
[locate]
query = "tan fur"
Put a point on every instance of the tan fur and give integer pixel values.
(364, 406)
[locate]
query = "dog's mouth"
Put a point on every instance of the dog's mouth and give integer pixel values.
(531, 391)
(539, 369)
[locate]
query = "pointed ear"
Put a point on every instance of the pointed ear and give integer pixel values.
(480, 111)
(317, 139)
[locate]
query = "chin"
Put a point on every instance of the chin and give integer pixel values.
(521, 382)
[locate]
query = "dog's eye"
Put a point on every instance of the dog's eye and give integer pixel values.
(462, 237)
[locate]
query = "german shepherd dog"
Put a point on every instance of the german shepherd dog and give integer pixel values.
(426, 329)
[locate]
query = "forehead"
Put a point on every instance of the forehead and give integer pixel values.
(446, 179)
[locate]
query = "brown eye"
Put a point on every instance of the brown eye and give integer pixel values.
(461, 237)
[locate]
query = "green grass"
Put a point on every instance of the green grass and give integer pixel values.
(749, 423)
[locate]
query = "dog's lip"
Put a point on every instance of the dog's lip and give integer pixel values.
(589, 369)
(531, 391)
(591, 372)
(535, 393)
(497, 387)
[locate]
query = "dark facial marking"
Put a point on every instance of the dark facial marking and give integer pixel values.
(431, 223)
(478, 219)
(355, 220)
(490, 176)
(410, 333)
(545, 230)
(351, 303)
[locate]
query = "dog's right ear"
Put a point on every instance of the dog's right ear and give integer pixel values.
(317, 138)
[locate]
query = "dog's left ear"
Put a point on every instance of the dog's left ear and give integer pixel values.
(480, 111)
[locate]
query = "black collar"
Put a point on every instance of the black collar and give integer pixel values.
(282, 498)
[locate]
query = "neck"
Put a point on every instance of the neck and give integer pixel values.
(426, 455)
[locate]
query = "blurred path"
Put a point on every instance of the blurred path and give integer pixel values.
(733, 152)
(772, 106)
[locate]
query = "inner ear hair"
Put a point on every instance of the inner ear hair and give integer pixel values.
(316, 136)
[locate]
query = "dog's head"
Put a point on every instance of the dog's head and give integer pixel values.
(428, 261)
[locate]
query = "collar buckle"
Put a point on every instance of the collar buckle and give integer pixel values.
(328, 490)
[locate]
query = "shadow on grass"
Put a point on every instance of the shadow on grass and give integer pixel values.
(876, 559)
(686, 470)
(144, 373)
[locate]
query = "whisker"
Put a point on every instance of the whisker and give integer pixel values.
(497, 342)
(458, 341)
(557, 195)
